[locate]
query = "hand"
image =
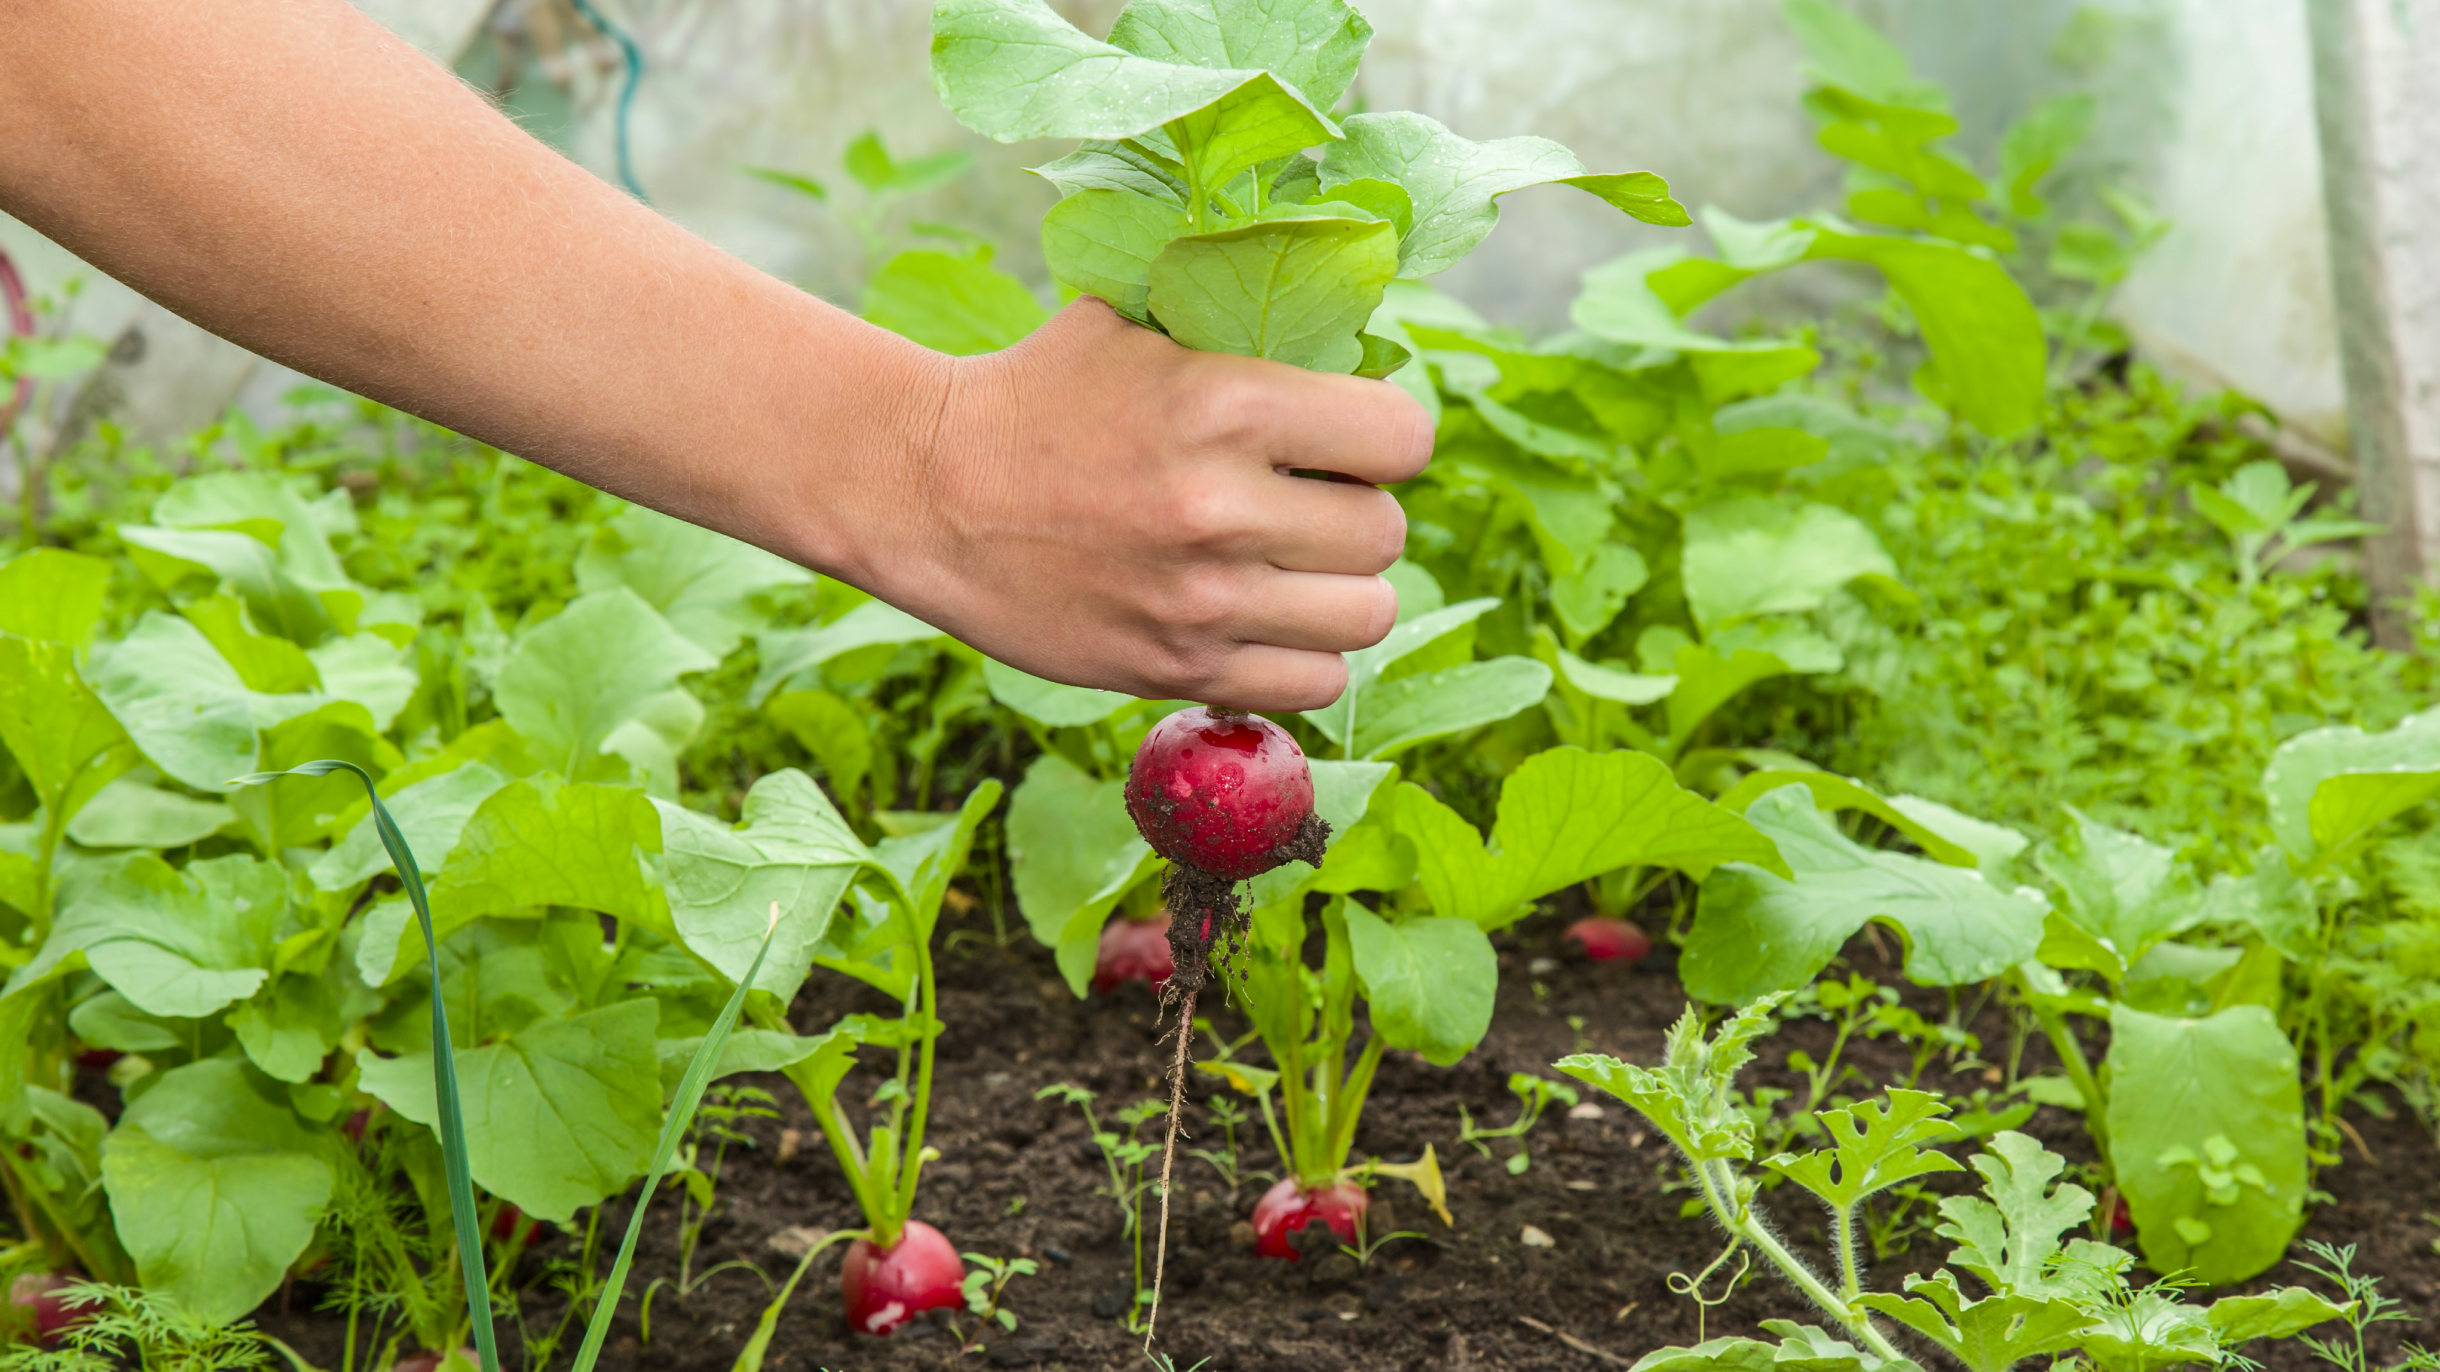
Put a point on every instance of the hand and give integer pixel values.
(1100, 506)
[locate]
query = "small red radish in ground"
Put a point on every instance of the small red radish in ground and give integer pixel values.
(1286, 1209)
(1134, 950)
(426, 1360)
(1609, 940)
(511, 1223)
(885, 1287)
(41, 1297)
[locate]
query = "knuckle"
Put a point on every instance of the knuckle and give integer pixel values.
(1217, 408)
(1201, 515)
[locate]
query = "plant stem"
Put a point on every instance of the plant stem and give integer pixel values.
(1721, 1193)
(928, 1000)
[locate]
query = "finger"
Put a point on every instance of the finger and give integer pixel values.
(1293, 418)
(1304, 525)
(1277, 680)
(1316, 612)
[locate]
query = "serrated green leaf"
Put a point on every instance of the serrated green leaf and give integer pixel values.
(1758, 932)
(1101, 242)
(183, 705)
(1589, 597)
(290, 1026)
(2009, 1235)
(1832, 793)
(215, 1187)
(541, 841)
(1988, 1335)
(1874, 1146)
(1292, 290)
(1691, 1096)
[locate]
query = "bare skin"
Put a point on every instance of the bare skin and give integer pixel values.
(1095, 505)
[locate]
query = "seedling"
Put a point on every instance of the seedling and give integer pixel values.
(1534, 1095)
(1125, 1156)
(2044, 1297)
(986, 1288)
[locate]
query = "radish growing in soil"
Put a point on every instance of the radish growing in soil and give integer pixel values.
(883, 1288)
(1605, 939)
(40, 1299)
(1225, 796)
(1134, 950)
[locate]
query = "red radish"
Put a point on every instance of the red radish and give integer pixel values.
(98, 1059)
(1285, 1210)
(425, 1360)
(885, 1287)
(1227, 793)
(42, 1297)
(1134, 950)
(1608, 940)
(511, 1223)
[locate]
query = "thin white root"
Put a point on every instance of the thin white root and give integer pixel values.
(1169, 1153)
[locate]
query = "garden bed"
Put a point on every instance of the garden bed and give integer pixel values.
(1478, 1297)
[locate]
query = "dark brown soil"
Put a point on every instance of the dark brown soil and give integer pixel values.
(1018, 1177)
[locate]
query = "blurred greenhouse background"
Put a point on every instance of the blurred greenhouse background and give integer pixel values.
(2203, 109)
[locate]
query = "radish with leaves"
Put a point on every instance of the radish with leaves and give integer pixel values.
(1134, 950)
(884, 1287)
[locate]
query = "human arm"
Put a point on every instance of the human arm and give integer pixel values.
(1095, 505)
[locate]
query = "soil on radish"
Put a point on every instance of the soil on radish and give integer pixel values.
(1018, 1178)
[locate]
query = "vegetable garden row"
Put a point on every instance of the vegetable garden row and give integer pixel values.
(1975, 727)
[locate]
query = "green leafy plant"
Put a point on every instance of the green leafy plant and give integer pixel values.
(2042, 1297)
(1124, 1156)
(1534, 1095)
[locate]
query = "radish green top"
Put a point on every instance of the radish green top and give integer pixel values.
(1196, 204)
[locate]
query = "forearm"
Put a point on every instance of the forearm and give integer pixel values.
(289, 176)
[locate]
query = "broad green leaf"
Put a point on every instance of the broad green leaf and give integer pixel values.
(954, 303)
(1984, 335)
(1622, 301)
(2124, 897)
(216, 1187)
(1603, 681)
(576, 677)
(790, 847)
(542, 841)
(789, 653)
(2280, 1313)
(560, 1115)
(1103, 165)
(1313, 45)
(1995, 846)
(175, 942)
(1758, 932)
(1750, 1355)
(185, 707)
(1989, 1335)
(52, 594)
(2327, 788)
(1566, 815)
(1711, 675)
(1412, 709)
(868, 160)
(1832, 792)
(64, 739)
(2151, 1331)
(1588, 598)
(1851, 54)
(1752, 555)
(1013, 69)
(1422, 622)
(1343, 794)
(1072, 851)
(265, 662)
(1101, 242)
(1293, 290)
(366, 669)
(2206, 1121)
(1259, 122)
(255, 532)
(305, 811)
(127, 813)
(1429, 982)
(1048, 703)
(430, 814)
(833, 732)
(288, 1028)
(702, 582)
(747, 1050)
(923, 864)
(1455, 182)
(1873, 1146)
(2273, 900)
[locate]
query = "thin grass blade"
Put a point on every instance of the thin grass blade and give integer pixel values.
(444, 1060)
(673, 1130)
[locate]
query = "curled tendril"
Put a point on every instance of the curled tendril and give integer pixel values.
(1692, 1287)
